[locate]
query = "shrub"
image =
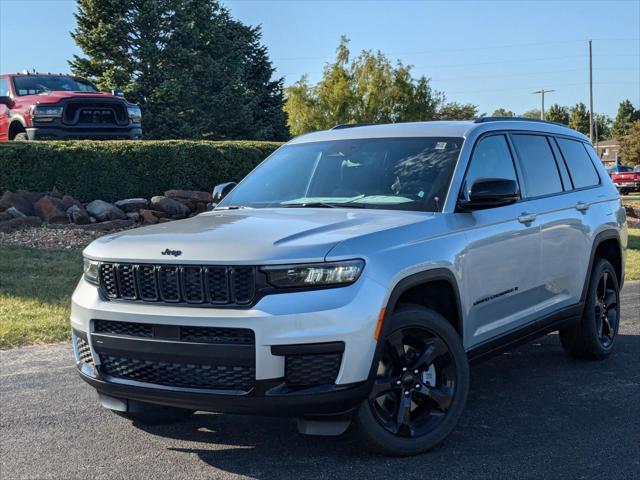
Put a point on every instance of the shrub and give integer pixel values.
(114, 170)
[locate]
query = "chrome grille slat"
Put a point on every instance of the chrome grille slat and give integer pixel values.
(176, 284)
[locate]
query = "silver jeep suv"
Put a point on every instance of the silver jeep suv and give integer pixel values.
(354, 274)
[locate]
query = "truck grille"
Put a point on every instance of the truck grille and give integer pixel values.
(95, 112)
(190, 284)
(313, 369)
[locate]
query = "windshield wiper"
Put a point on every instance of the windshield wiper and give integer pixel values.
(322, 205)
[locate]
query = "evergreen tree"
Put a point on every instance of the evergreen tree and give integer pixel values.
(195, 71)
(502, 112)
(627, 114)
(630, 145)
(579, 118)
(558, 114)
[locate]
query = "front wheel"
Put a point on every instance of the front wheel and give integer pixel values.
(21, 137)
(421, 385)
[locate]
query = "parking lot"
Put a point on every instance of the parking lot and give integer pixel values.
(532, 413)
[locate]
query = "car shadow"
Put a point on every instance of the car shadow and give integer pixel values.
(531, 412)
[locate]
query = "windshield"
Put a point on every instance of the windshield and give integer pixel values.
(35, 84)
(390, 173)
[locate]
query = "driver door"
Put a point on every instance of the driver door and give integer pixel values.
(501, 264)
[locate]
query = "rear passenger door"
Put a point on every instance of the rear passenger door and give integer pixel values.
(548, 194)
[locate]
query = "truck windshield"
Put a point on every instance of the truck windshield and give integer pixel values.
(36, 84)
(388, 173)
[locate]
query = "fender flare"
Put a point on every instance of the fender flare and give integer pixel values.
(16, 118)
(413, 280)
(609, 234)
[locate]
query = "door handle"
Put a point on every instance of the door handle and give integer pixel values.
(582, 207)
(527, 217)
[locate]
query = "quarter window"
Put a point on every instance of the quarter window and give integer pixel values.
(580, 166)
(539, 168)
(4, 87)
(491, 159)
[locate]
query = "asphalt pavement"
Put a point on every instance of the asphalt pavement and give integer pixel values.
(532, 413)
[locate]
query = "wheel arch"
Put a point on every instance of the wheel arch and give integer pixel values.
(17, 124)
(606, 245)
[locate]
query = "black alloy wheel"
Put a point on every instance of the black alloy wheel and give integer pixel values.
(607, 313)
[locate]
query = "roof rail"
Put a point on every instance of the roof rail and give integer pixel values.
(516, 119)
(350, 125)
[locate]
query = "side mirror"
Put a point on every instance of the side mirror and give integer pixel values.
(117, 92)
(221, 191)
(5, 100)
(490, 193)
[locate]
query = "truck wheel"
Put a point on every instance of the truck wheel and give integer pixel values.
(594, 337)
(21, 137)
(420, 388)
(149, 414)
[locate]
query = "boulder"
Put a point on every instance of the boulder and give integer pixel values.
(15, 223)
(78, 215)
(13, 212)
(135, 216)
(68, 201)
(148, 216)
(191, 198)
(32, 197)
(631, 212)
(18, 201)
(169, 206)
(103, 211)
(132, 204)
(108, 225)
(5, 216)
(51, 210)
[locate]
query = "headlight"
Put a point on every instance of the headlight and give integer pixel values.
(314, 274)
(91, 271)
(135, 114)
(45, 113)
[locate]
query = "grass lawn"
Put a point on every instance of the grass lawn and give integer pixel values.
(36, 285)
(35, 291)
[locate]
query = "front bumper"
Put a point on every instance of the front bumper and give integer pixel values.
(281, 324)
(84, 133)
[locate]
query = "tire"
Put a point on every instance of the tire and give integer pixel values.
(21, 137)
(149, 414)
(437, 394)
(594, 336)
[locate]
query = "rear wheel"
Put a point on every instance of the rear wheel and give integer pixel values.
(421, 385)
(150, 414)
(595, 335)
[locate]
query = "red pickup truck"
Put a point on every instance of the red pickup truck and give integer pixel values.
(56, 107)
(627, 181)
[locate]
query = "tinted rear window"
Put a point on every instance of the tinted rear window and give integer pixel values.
(539, 169)
(580, 166)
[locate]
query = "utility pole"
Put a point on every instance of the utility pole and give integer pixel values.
(542, 92)
(590, 93)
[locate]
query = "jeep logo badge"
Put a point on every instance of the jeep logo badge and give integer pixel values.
(175, 253)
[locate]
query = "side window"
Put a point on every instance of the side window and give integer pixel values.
(539, 168)
(491, 159)
(4, 87)
(581, 169)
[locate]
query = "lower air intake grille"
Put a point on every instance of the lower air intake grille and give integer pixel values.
(84, 352)
(179, 374)
(308, 370)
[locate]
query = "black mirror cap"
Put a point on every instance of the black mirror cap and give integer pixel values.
(490, 193)
(8, 101)
(221, 191)
(116, 92)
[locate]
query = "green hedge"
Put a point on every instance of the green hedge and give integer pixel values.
(114, 170)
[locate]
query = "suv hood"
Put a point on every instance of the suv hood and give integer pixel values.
(255, 237)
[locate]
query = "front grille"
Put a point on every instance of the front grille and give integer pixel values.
(313, 369)
(92, 112)
(123, 328)
(192, 284)
(183, 375)
(84, 352)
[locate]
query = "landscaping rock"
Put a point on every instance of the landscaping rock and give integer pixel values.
(68, 201)
(5, 216)
(132, 204)
(135, 216)
(78, 215)
(103, 211)
(32, 197)
(51, 210)
(13, 212)
(191, 198)
(170, 206)
(149, 217)
(108, 225)
(18, 201)
(631, 212)
(15, 223)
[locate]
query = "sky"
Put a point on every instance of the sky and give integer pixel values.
(489, 53)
